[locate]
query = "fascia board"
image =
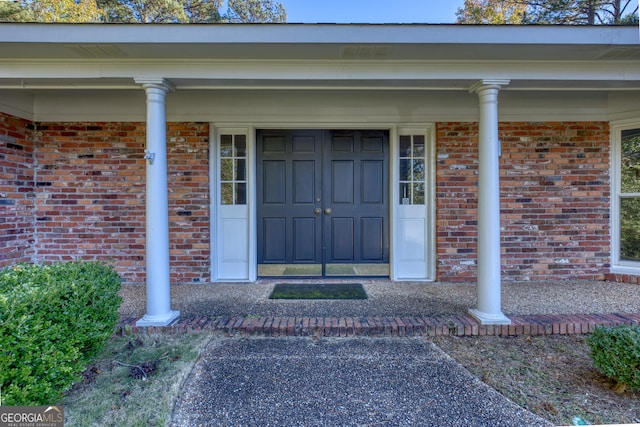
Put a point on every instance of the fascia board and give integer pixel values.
(318, 33)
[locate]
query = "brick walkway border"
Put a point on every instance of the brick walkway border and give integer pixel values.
(427, 326)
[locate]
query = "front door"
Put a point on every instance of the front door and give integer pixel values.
(322, 203)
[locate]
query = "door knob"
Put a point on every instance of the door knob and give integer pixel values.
(317, 211)
(327, 211)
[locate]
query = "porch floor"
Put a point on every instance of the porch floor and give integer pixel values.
(392, 309)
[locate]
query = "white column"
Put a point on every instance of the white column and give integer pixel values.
(489, 311)
(159, 311)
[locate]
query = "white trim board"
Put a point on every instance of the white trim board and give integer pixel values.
(618, 265)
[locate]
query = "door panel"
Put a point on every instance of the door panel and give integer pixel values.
(356, 166)
(372, 240)
(323, 202)
(274, 241)
(342, 243)
(289, 168)
(304, 182)
(342, 180)
(373, 182)
(274, 182)
(304, 237)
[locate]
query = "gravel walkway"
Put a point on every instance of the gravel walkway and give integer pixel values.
(392, 299)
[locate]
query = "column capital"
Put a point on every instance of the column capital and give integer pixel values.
(155, 83)
(488, 84)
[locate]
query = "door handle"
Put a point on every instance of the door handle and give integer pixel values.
(317, 211)
(327, 211)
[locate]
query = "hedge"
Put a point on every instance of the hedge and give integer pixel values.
(615, 351)
(53, 320)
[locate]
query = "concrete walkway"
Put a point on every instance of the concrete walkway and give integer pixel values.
(338, 382)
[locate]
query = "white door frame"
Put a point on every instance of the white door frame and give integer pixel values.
(250, 272)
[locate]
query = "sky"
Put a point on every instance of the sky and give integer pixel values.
(372, 11)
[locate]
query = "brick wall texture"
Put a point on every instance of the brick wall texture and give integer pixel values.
(555, 198)
(77, 191)
(17, 222)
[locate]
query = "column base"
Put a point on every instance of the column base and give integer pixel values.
(489, 318)
(161, 320)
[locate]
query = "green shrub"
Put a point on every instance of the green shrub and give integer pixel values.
(53, 320)
(616, 352)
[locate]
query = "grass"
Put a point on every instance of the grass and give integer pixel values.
(551, 376)
(134, 381)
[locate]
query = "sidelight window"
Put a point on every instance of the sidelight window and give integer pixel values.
(413, 209)
(233, 169)
(412, 169)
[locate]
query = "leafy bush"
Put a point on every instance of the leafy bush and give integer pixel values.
(53, 320)
(616, 352)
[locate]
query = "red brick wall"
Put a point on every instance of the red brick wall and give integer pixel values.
(16, 191)
(76, 190)
(189, 213)
(456, 201)
(622, 278)
(554, 200)
(91, 196)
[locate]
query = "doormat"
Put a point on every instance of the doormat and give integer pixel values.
(318, 291)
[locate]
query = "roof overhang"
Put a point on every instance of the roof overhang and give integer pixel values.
(318, 56)
(319, 41)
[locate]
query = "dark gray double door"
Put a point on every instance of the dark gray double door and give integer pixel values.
(322, 203)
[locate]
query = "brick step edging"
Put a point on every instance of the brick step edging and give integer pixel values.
(427, 326)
